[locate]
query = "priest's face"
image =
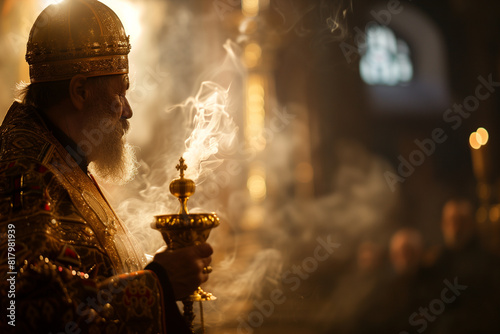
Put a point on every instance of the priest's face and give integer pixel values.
(112, 159)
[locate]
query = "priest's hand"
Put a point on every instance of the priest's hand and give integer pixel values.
(184, 267)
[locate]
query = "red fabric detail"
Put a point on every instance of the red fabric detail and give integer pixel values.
(70, 253)
(140, 293)
(41, 169)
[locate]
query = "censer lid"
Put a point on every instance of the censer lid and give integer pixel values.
(182, 188)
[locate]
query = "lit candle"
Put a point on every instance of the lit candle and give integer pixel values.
(480, 163)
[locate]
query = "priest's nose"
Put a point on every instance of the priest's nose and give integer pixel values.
(127, 110)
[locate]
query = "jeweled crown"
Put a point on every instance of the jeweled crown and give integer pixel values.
(77, 37)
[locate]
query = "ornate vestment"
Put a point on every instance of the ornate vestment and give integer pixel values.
(73, 262)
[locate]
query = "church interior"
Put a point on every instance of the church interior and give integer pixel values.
(348, 147)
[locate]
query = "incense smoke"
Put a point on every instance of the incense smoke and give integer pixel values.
(188, 100)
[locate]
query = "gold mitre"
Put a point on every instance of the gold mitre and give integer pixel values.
(77, 37)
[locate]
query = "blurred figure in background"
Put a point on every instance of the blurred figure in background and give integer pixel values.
(406, 250)
(387, 309)
(458, 225)
(464, 263)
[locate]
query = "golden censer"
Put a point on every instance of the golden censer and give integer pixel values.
(187, 229)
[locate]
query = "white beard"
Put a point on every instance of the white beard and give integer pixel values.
(116, 169)
(112, 159)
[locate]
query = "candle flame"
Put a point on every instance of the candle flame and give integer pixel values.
(474, 143)
(478, 138)
(482, 136)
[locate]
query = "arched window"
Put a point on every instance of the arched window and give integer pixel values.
(403, 62)
(385, 59)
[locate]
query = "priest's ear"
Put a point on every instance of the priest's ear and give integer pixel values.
(79, 91)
